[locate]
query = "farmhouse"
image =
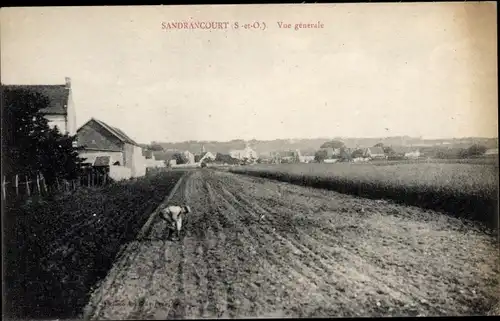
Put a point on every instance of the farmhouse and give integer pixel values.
(375, 153)
(122, 154)
(189, 157)
(407, 152)
(289, 156)
(61, 110)
(247, 152)
(203, 157)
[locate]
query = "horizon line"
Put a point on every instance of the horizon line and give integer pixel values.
(314, 138)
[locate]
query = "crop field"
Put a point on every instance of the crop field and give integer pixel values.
(252, 247)
(477, 161)
(465, 190)
(255, 247)
(55, 250)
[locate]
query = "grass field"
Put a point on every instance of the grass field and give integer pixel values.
(465, 190)
(56, 250)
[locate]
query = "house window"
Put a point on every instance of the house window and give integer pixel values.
(93, 141)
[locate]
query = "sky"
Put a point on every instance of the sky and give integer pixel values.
(373, 70)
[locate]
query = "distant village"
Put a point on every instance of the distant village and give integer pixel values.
(111, 149)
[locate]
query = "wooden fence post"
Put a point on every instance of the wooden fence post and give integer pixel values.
(58, 186)
(88, 179)
(4, 193)
(27, 186)
(43, 183)
(38, 183)
(104, 179)
(17, 184)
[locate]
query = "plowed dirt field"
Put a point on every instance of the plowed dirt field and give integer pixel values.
(260, 248)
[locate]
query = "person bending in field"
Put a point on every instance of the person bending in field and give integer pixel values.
(174, 215)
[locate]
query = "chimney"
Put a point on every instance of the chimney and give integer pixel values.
(68, 82)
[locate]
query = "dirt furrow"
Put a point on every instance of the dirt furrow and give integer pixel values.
(276, 262)
(259, 248)
(385, 285)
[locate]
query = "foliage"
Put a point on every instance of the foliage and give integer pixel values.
(357, 153)
(473, 151)
(180, 158)
(64, 246)
(225, 158)
(333, 144)
(320, 156)
(29, 145)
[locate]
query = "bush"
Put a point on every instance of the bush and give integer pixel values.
(56, 250)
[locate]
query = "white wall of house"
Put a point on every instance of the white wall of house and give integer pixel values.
(119, 173)
(92, 155)
(71, 123)
(244, 153)
(135, 160)
(154, 163)
(189, 156)
(413, 154)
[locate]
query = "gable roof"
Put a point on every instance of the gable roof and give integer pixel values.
(113, 130)
(376, 150)
(58, 96)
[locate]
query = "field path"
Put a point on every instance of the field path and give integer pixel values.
(260, 248)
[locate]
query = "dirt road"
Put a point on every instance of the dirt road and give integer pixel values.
(259, 248)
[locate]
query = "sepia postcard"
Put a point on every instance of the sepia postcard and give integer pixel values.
(250, 161)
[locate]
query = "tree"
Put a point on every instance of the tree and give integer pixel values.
(472, 151)
(476, 150)
(180, 158)
(333, 144)
(320, 156)
(388, 150)
(357, 153)
(29, 145)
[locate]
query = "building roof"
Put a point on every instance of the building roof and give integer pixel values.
(376, 150)
(58, 96)
(102, 161)
(118, 133)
